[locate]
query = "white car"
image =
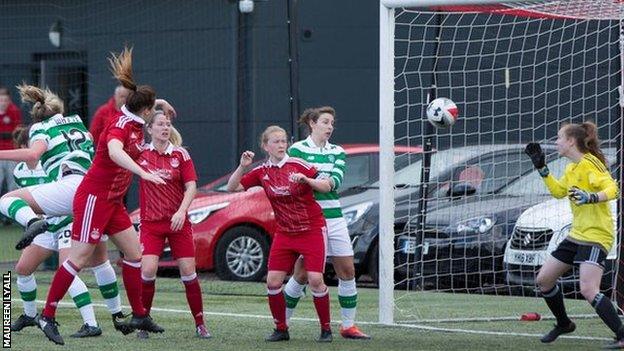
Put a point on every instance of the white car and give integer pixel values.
(536, 234)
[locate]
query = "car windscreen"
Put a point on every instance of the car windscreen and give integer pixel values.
(409, 166)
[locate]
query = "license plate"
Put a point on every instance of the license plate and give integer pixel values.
(408, 246)
(524, 257)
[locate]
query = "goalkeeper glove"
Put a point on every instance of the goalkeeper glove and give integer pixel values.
(534, 150)
(582, 197)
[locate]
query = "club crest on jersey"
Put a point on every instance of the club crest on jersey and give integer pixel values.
(174, 162)
(95, 234)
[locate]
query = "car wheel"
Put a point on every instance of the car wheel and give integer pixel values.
(242, 254)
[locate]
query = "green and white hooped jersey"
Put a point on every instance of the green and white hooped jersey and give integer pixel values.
(330, 162)
(25, 176)
(69, 144)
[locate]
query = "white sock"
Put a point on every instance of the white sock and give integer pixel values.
(293, 291)
(17, 209)
(79, 293)
(27, 286)
(347, 296)
(107, 281)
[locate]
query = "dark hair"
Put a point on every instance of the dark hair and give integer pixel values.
(586, 137)
(141, 96)
(312, 115)
(20, 135)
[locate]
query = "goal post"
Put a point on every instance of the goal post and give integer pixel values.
(386, 164)
(599, 99)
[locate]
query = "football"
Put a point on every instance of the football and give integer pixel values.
(442, 112)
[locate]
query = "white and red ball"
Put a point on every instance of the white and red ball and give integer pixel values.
(442, 112)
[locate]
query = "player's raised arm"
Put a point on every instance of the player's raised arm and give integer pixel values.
(558, 188)
(234, 183)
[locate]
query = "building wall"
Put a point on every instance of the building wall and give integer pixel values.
(229, 75)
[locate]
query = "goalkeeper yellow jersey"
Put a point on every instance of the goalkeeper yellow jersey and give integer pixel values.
(591, 223)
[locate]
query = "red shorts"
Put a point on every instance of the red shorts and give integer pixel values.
(94, 216)
(153, 234)
(286, 248)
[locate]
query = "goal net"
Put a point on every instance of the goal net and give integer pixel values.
(471, 216)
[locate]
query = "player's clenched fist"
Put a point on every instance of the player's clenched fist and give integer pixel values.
(246, 158)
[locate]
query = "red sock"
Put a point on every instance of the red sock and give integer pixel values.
(277, 304)
(194, 297)
(149, 286)
(321, 303)
(60, 284)
(131, 272)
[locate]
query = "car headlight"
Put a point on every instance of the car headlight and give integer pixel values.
(353, 213)
(199, 214)
(476, 225)
(563, 233)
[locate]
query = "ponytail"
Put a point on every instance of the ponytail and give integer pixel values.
(45, 102)
(141, 96)
(309, 115)
(121, 66)
(586, 137)
(591, 141)
(175, 138)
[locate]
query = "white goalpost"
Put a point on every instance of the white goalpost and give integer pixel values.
(517, 70)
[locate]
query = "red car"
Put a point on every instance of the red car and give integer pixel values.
(233, 231)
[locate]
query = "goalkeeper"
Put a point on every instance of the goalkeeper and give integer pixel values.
(589, 186)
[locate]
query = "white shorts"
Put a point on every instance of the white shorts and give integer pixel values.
(57, 198)
(338, 240)
(58, 240)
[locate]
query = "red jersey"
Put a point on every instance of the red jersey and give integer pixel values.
(160, 202)
(102, 117)
(10, 119)
(106, 178)
(295, 209)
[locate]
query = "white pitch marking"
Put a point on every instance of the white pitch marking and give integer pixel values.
(395, 325)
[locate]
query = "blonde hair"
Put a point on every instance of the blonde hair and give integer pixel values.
(264, 138)
(45, 102)
(175, 138)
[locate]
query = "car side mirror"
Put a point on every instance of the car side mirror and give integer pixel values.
(461, 189)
